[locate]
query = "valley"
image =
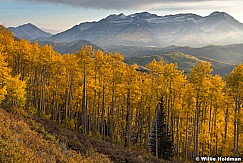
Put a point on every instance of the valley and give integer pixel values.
(125, 88)
(154, 37)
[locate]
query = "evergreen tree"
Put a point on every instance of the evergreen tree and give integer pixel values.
(160, 141)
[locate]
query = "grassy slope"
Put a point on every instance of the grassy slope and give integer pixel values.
(223, 58)
(231, 54)
(22, 139)
(184, 61)
(30, 138)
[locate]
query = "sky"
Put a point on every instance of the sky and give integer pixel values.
(63, 14)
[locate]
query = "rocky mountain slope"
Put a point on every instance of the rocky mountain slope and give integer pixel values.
(29, 32)
(153, 30)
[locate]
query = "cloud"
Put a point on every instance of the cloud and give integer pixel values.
(118, 4)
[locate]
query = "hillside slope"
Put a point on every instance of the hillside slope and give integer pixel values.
(30, 138)
(25, 140)
(232, 54)
(222, 58)
(185, 62)
(69, 48)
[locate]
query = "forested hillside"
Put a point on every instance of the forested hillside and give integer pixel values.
(104, 98)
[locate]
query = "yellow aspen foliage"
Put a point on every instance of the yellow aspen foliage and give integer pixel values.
(4, 73)
(101, 95)
(16, 91)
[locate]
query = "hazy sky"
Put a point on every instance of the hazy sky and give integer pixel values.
(63, 14)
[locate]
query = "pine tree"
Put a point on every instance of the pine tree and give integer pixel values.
(160, 141)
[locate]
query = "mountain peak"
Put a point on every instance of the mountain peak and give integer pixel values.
(28, 25)
(222, 16)
(121, 14)
(144, 15)
(115, 16)
(218, 13)
(28, 31)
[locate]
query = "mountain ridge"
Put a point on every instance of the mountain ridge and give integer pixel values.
(222, 57)
(71, 47)
(232, 53)
(29, 31)
(183, 29)
(152, 30)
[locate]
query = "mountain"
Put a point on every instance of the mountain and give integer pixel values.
(51, 31)
(70, 47)
(146, 29)
(29, 32)
(231, 54)
(185, 62)
(223, 58)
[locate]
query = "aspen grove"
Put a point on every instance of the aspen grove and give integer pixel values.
(98, 94)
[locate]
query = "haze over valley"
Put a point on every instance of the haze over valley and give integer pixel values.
(215, 38)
